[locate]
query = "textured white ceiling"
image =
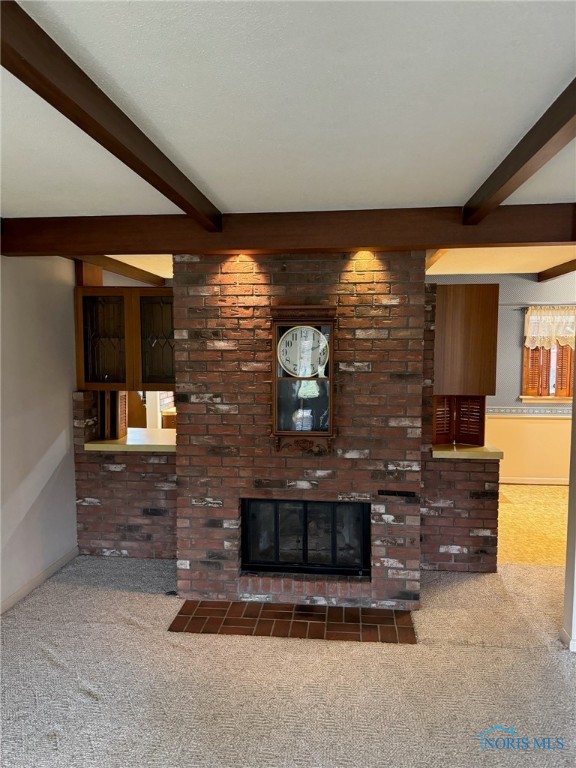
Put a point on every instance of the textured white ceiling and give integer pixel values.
(52, 168)
(555, 182)
(274, 106)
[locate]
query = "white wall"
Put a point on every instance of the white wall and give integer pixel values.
(37, 485)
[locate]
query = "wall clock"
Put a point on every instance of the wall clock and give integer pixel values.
(303, 379)
(303, 351)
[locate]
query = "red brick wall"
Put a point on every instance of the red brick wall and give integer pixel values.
(459, 498)
(126, 502)
(460, 515)
(224, 369)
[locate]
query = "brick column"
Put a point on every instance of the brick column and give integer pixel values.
(459, 497)
(224, 387)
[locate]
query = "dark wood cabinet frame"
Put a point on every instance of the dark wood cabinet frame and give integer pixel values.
(133, 354)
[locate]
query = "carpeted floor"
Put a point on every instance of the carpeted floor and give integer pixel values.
(532, 523)
(92, 679)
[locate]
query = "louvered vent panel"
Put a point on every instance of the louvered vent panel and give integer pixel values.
(564, 371)
(122, 418)
(469, 428)
(531, 372)
(544, 372)
(442, 420)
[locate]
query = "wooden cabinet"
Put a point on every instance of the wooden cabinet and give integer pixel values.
(124, 338)
(465, 342)
(465, 339)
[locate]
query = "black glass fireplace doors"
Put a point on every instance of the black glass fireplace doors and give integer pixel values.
(306, 537)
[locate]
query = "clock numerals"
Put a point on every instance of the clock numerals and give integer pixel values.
(303, 351)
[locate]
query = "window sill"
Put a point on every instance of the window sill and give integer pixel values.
(138, 440)
(544, 399)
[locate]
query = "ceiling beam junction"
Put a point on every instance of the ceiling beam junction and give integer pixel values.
(117, 268)
(557, 271)
(87, 274)
(551, 133)
(35, 59)
(432, 256)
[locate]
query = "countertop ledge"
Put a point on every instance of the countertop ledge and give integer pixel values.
(458, 451)
(138, 441)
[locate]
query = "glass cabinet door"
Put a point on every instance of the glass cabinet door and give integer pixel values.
(124, 338)
(104, 335)
(157, 340)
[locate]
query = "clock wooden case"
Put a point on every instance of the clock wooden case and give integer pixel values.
(303, 374)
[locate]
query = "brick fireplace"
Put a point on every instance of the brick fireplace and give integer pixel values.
(424, 512)
(222, 311)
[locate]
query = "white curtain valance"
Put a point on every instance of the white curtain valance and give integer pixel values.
(548, 326)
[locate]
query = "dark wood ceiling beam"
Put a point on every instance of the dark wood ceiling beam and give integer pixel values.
(35, 59)
(326, 231)
(557, 271)
(117, 268)
(553, 131)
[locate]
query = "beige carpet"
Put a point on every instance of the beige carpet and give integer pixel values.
(92, 679)
(532, 522)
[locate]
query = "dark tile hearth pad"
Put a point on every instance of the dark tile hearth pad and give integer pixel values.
(311, 622)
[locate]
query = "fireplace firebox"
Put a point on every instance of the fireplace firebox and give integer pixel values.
(315, 537)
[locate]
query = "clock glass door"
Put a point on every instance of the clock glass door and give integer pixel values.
(302, 378)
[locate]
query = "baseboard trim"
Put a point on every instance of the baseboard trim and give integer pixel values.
(569, 642)
(15, 597)
(534, 480)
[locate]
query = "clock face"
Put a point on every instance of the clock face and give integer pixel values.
(303, 351)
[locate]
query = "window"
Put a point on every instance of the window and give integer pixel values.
(548, 363)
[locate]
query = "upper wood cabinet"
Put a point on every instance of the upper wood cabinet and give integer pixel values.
(124, 338)
(466, 334)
